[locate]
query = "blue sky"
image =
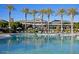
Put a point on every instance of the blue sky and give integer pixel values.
(18, 15)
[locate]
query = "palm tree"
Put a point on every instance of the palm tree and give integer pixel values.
(72, 12)
(61, 12)
(34, 12)
(48, 12)
(42, 11)
(26, 12)
(10, 8)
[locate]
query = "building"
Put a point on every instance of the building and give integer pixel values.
(54, 26)
(1, 20)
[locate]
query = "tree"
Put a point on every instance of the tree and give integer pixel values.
(72, 12)
(42, 12)
(49, 12)
(15, 25)
(26, 12)
(3, 24)
(76, 26)
(10, 8)
(61, 12)
(34, 12)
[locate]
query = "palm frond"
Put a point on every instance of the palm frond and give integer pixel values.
(61, 11)
(25, 10)
(72, 11)
(10, 7)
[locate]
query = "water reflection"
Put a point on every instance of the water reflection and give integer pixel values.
(61, 41)
(55, 44)
(72, 44)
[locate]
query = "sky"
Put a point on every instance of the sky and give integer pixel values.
(18, 15)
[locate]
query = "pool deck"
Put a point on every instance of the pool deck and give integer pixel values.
(2, 36)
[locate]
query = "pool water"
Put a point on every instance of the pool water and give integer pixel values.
(39, 44)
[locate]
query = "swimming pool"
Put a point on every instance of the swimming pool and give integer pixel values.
(39, 44)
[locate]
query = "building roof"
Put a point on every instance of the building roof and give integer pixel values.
(56, 22)
(3, 20)
(36, 20)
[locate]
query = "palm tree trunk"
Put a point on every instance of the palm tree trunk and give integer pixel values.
(42, 22)
(34, 21)
(72, 18)
(25, 22)
(9, 24)
(9, 17)
(48, 22)
(61, 23)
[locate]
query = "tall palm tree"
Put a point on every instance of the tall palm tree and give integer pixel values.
(10, 9)
(42, 11)
(26, 12)
(49, 12)
(61, 12)
(34, 12)
(72, 12)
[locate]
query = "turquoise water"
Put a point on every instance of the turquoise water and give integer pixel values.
(36, 44)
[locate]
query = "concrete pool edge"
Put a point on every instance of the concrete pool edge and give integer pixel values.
(63, 34)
